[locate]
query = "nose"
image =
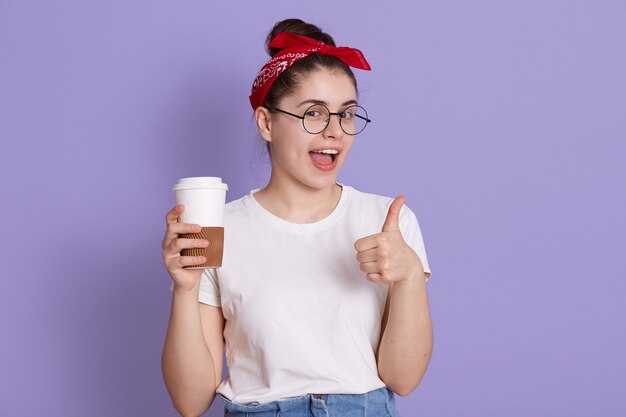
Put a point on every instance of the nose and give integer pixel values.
(333, 128)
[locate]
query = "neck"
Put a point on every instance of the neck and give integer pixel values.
(298, 203)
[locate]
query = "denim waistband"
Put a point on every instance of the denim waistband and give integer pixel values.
(376, 403)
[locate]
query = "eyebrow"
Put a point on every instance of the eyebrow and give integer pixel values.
(314, 101)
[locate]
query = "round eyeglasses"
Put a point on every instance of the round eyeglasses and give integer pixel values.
(353, 119)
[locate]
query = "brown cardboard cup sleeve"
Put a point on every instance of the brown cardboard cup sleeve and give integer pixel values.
(213, 253)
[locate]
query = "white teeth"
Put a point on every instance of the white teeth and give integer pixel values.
(328, 151)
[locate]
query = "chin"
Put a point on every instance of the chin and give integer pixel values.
(322, 183)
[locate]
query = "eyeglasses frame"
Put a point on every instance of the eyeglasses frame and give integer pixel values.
(367, 120)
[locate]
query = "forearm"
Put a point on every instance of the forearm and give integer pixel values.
(406, 345)
(187, 363)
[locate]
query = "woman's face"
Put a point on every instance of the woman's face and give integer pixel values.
(295, 152)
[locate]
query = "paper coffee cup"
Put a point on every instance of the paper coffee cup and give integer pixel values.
(204, 199)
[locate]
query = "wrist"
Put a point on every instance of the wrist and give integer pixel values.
(186, 290)
(417, 279)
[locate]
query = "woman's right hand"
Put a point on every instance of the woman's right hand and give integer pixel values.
(172, 244)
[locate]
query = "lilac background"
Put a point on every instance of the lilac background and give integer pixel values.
(502, 122)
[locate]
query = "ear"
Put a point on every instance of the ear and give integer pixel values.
(263, 119)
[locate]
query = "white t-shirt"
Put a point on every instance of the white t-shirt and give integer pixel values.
(300, 315)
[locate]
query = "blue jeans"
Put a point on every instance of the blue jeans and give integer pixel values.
(377, 403)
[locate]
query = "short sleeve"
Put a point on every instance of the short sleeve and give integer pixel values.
(209, 288)
(410, 229)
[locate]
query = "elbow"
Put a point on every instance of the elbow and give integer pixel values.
(402, 389)
(402, 393)
(401, 385)
(185, 411)
(404, 385)
(190, 407)
(188, 401)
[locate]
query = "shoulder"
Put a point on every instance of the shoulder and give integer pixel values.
(367, 201)
(241, 203)
(376, 206)
(235, 204)
(237, 210)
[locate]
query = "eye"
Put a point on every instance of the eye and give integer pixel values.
(347, 114)
(313, 114)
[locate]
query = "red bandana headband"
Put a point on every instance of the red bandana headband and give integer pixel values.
(296, 48)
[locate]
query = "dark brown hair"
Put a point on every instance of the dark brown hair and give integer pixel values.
(288, 80)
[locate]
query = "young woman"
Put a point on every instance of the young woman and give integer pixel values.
(321, 298)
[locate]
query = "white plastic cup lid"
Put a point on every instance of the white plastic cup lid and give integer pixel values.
(191, 183)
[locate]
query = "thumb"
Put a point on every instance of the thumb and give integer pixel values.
(392, 221)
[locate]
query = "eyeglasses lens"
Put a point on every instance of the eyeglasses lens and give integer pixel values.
(353, 119)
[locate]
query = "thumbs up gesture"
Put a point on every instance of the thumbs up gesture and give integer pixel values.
(385, 257)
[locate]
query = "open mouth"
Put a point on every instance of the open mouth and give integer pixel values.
(324, 159)
(324, 156)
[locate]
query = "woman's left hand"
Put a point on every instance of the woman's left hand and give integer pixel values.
(385, 257)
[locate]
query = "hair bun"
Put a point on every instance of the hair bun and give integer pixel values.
(299, 27)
